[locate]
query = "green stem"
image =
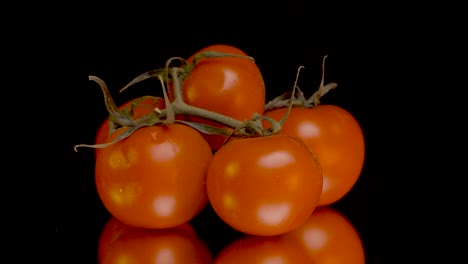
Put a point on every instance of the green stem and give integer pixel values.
(170, 119)
(323, 89)
(213, 54)
(177, 86)
(286, 115)
(181, 108)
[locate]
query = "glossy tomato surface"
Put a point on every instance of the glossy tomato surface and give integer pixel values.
(337, 140)
(329, 237)
(264, 185)
(156, 177)
(228, 86)
(135, 108)
(262, 250)
(122, 244)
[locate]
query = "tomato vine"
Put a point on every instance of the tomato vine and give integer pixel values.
(299, 99)
(175, 75)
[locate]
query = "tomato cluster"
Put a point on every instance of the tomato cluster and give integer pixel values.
(212, 139)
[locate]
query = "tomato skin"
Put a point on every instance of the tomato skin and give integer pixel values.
(329, 237)
(155, 178)
(143, 107)
(259, 250)
(337, 140)
(229, 86)
(120, 243)
(264, 185)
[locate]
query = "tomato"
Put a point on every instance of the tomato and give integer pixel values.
(155, 178)
(264, 185)
(140, 108)
(261, 250)
(120, 243)
(337, 140)
(329, 237)
(230, 86)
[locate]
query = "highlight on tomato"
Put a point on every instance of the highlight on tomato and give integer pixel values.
(264, 185)
(231, 86)
(261, 249)
(120, 243)
(337, 140)
(134, 109)
(328, 237)
(155, 178)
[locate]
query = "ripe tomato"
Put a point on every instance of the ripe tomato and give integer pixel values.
(329, 237)
(120, 243)
(229, 86)
(259, 250)
(141, 108)
(337, 140)
(264, 185)
(155, 178)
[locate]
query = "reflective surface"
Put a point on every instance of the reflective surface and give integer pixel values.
(327, 237)
(119, 243)
(91, 235)
(79, 218)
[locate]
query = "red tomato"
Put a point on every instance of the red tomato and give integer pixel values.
(261, 250)
(264, 185)
(337, 140)
(329, 237)
(155, 178)
(140, 108)
(229, 86)
(120, 243)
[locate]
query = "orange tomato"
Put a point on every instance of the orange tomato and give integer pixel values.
(139, 109)
(264, 185)
(329, 237)
(337, 140)
(120, 243)
(229, 86)
(155, 178)
(261, 250)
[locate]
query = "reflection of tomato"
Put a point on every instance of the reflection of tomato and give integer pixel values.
(119, 243)
(328, 237)
(335, 137)
(229, 86)
(261, 250)
(264, 185)
(155, 178)
(141, 107)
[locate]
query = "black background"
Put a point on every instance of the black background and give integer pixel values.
(117, 43)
